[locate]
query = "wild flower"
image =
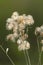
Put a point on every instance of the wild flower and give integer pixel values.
(17, 23)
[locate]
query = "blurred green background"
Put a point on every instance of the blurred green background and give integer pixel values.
(7, 7)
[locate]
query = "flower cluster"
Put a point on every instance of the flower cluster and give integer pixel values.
(17, 23)
(39, 31)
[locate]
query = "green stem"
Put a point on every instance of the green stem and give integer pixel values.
(26, 50)
(7, 55)
(25, 58)
(28, 57)
(40, 58)
(38, 45)
(40, 52)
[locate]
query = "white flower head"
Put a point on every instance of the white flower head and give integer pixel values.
(20, 41)
(30, 17)
(42, 48)
(24, 46)
(21, 47)
(41, 33)
(9, 26)
(21, 27)
(41, 27)
(24, 36)
(24, 19)
(15, 35)
(9, 20)
(11, 37)
(15, 28)
(37, 30)
(27, 45)
(15, 15)
(41, 41)
(30, 20)
(20, 19)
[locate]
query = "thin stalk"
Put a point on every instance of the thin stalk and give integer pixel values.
(40, 58)
(27, 30)
(28, 57)
(7, 55)
(38, 45)
(39, 62)
(25, 57)
(26, 50)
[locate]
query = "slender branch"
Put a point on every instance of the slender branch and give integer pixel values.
(28, 57)
(7, 55)
(25, 57)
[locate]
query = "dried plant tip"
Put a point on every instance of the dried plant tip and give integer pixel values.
(7, 50)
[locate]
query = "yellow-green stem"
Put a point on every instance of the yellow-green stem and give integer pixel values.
(28, 57)
(25, 58)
